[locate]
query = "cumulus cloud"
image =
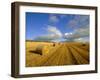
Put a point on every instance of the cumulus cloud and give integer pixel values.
(52, 34)
(78, 34)
(80, 30)
(55, 35)
(54, 31)
(80, 26)
(68, 35)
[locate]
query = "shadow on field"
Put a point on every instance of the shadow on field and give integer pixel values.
(35, 52)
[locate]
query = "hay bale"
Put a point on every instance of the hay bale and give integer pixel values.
(53, 44)
(83, 44)
(59, 43)
(42, 49)
(39, 49)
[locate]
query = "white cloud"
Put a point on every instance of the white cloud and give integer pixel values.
(85, 39)
(68, 35)
(53, 30)
(78, 21)
(53, 18)
(53, 34)
(80, 26)
(82, 31)
(79, 34)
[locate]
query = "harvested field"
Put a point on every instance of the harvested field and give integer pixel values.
(56, 54)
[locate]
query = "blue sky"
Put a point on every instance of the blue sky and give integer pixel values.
(56, 27)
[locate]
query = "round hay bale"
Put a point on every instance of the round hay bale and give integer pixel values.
(53, 44)
(83, 44)
(39, 49)
(42, 49)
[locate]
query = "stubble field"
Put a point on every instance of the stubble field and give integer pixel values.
(56, 54)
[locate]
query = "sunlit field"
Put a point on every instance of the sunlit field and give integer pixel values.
(56, 54)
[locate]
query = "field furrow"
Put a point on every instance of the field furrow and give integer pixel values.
(82, 52)
(78, 57)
